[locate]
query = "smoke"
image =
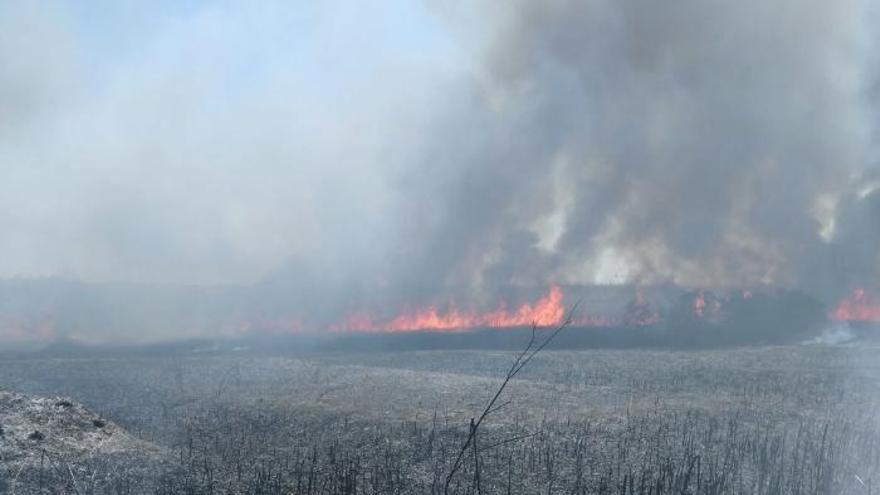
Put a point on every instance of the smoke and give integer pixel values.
(201, 144)
(837, 334)
(340, 158)
(693, 143)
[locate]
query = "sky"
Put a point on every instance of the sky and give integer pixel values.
(423, 148)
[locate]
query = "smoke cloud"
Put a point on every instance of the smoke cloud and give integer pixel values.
(694, 143)
(336, 157)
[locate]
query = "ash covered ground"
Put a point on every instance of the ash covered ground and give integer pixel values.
(54, 444)
(786, 419)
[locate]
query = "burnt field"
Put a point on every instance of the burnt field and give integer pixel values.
(785, 419)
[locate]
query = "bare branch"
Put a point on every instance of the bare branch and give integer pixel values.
(518, 364)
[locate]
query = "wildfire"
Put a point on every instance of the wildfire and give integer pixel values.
(549, 310)
(546, 311)
(707, 305)
(857, 307)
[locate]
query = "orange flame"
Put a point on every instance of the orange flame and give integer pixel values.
(857, 307)
(546, 311)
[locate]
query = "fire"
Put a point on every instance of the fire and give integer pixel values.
(549, 310)
(857, 307)
(546, 311)
(706, 305)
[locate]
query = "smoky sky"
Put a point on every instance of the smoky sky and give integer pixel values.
(425, 148)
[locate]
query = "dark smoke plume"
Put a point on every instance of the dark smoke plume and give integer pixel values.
(699, 143)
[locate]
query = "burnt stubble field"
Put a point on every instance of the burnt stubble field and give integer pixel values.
(785, 419)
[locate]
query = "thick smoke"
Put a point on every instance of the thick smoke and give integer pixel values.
(696, 143)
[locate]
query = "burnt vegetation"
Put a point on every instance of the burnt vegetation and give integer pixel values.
(794, 420)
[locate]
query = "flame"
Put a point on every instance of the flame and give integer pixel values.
(546, 311)
(858, 306)
(706, 305)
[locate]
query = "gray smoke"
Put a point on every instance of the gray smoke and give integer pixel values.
(691, 142)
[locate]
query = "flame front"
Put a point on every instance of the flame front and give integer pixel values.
(857, 307)
(546, 311)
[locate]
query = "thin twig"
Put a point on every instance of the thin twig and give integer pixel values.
(519, 363)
